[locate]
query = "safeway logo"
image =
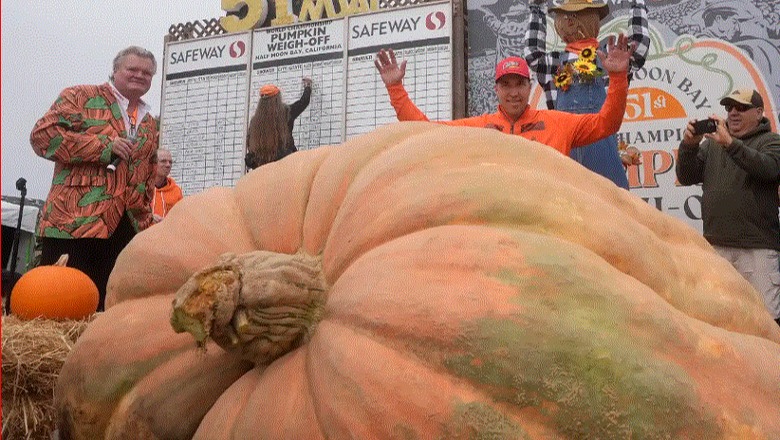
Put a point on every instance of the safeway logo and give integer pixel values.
(237, 49)
(435, 20)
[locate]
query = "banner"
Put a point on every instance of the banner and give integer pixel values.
(700, 51)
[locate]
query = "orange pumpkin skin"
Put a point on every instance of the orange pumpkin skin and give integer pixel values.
(54, 292)
(478, 285)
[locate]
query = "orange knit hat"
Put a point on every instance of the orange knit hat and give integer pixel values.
(268, 91)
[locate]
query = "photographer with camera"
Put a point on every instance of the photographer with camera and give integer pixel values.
(737, 161)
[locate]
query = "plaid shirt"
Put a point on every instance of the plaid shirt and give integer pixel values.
(546, 65)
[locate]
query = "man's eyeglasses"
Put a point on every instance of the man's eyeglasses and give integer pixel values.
(738, 107)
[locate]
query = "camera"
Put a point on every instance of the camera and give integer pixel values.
(705, 126)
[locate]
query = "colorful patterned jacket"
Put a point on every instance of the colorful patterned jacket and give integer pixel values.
(86, 200)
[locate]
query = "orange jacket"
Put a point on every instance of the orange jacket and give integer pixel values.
(560, 130)
(164, 198)
(85, 199)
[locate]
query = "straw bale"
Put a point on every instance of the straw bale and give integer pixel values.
(33, 354)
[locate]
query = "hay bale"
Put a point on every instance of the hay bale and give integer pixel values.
(33, 354)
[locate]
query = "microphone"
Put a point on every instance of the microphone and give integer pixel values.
(112, 166)
(115, 163)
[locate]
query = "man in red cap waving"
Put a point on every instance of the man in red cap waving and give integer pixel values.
(560, 130)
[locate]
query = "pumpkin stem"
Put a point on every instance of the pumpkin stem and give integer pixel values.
(62, 261)
(260, 305)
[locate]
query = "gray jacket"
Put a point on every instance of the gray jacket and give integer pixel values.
(739, 188)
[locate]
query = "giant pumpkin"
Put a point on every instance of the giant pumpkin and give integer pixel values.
(423, 282)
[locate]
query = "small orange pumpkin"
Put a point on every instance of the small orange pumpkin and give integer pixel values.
(54, 292)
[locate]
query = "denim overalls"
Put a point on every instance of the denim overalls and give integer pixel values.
(601, 156)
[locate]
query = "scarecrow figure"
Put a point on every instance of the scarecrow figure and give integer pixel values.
(573, 80)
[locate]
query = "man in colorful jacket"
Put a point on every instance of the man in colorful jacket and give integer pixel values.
(91, 211)
(560, 130)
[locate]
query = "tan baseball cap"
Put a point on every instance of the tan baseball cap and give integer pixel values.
(743, 96)
(579, 5)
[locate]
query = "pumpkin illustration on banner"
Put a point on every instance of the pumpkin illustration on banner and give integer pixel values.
(54, 292)
(423, 281)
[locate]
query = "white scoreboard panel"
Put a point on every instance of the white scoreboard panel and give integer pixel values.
(283, 56)
(421, 36)
(211, 85)
(204, 110)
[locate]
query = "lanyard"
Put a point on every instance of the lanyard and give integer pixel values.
(133, 117)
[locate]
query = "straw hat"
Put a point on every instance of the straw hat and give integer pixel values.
(579, 5)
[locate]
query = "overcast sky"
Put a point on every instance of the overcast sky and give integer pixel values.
(50, 45)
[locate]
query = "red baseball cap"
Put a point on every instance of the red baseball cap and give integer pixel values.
(515, 65)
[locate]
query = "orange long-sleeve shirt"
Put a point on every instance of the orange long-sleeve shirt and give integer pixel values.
(560, 130)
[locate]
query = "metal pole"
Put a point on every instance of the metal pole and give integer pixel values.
(21, 185)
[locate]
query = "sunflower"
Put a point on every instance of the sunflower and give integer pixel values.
(563, 80)
(588, 54)
(585, 69)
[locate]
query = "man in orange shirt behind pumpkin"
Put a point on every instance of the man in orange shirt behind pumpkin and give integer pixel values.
(166, 192)
(560, 130)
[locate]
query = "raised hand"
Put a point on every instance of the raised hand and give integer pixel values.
(388, 67)
(618, 54)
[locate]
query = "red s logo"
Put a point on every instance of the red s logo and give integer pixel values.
(237, 49)
(435, 20)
